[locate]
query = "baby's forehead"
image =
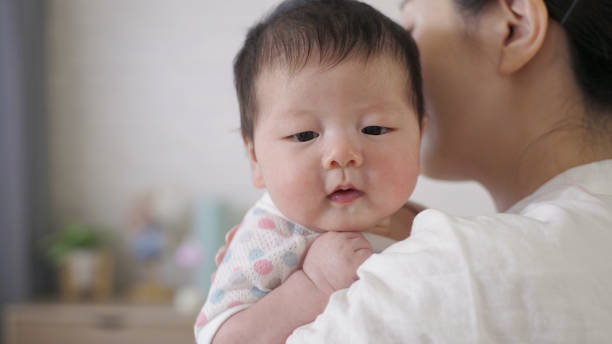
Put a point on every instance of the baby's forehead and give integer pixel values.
(378, 85)
(315, 59)
(315, 66)
(314, 72)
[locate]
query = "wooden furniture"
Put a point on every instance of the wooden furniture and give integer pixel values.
(95, 324)
(87, 274)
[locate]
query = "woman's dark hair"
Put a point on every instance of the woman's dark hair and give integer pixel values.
(588, 24)
(330, 30)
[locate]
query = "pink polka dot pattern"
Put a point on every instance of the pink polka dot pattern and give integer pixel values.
(234, 304)
(263, 267)
(202, 320)
(266, 223)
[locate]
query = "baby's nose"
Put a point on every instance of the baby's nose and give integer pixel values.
(342, 154)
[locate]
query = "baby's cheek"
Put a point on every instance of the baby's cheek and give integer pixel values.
(297, 187)
(398, 180)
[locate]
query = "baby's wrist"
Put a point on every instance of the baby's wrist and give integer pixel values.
(317, 279)
(316, 292)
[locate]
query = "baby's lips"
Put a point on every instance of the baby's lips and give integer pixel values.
(344, 187)
(345, 196)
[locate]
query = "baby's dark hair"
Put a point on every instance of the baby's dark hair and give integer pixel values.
(330, 30)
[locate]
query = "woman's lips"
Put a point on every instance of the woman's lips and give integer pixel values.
(345, 196)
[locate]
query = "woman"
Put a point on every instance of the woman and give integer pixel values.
(519, 96)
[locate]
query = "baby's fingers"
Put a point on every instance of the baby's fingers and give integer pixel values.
(362, 254)
(360, 242)
(362, 250)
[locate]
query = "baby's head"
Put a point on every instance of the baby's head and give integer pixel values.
(331, 108)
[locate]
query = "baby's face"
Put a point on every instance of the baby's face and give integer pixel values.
(337, 148)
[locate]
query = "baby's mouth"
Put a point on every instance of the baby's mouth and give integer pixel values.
(345, 194)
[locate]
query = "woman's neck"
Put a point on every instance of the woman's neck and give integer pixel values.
(549, 128)
(545, 157)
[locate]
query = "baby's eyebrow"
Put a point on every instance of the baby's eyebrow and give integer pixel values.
(299, 112)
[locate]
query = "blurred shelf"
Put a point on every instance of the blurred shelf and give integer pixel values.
(51, 323)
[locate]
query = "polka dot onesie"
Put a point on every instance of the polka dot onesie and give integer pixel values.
(266, 250)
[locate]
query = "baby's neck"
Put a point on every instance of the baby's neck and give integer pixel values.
(397, 226)
(391, 228)
(382, 228)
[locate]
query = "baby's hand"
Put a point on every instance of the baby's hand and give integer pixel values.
(333, 258)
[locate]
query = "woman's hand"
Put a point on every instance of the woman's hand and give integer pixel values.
(401, 221)
(229, 236)
(399, 225)
(333, 258)
(413, 207)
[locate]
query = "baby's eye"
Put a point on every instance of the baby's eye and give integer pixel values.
(305, 136)
(374, 130)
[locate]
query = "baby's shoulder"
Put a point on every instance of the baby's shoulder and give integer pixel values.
(260, 221)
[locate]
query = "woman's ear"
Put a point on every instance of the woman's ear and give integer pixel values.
(256, 175)
(526, 26)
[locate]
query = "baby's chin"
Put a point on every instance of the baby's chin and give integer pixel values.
(344, 225)
(326, 221)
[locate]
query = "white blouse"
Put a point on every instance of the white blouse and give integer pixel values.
(539, 273)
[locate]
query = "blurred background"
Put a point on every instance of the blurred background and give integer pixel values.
(122, 167)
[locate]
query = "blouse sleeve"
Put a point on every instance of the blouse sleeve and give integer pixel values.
(454, 280)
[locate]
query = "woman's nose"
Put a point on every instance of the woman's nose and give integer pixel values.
(342, 154)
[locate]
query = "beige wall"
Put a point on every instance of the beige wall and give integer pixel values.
(140, 95)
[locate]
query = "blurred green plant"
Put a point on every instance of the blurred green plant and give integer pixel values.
(59, 245)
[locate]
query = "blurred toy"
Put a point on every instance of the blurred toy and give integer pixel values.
(156, 224)
(196, 255)
(188, 300)
(148, 244)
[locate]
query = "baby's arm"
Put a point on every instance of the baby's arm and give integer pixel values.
(330, 264)
(272, 319)
(267, 250)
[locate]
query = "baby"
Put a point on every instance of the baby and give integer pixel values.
(331, 109)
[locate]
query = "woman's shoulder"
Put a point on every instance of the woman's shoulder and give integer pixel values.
(566, 224)
(563, 222)
(576, 203)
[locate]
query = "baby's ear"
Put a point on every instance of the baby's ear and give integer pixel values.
(256, 175)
